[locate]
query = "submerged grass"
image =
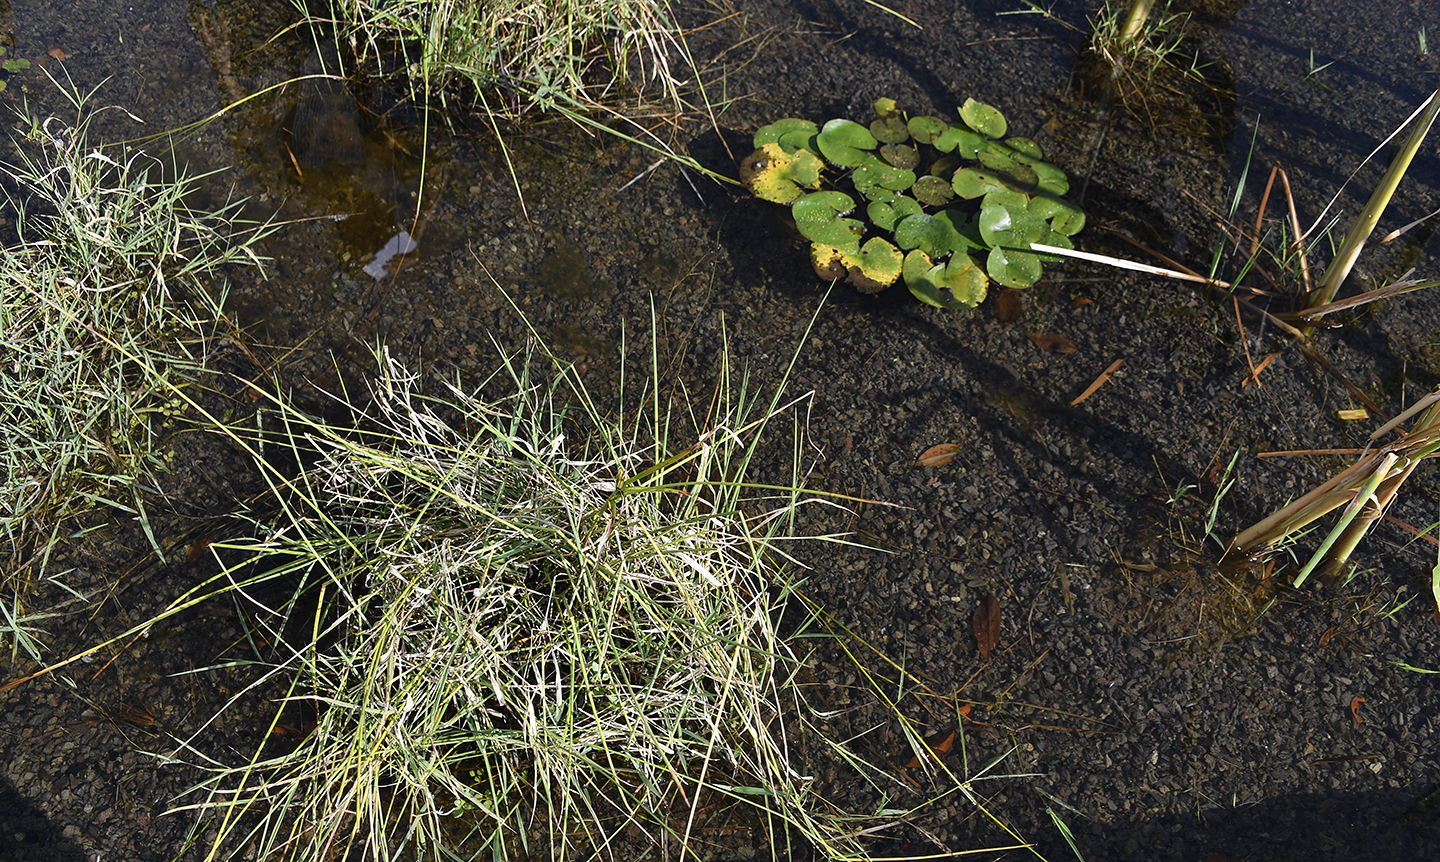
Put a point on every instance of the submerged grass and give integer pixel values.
(103, 313)
(517, 627)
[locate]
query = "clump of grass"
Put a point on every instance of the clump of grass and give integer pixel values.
(521, 628)
(538, 53)
(102, 312)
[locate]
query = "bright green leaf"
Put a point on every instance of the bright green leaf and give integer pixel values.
(844, 142)
(982, 118)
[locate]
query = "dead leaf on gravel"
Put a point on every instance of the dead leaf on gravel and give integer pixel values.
(57, 53)
(987, 625)
(1052, 343)
(938, 455)
(1008, 305)
(938, 745)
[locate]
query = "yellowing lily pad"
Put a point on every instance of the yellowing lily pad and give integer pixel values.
(772, 174)
(959, 283)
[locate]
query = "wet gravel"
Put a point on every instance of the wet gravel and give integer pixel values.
(1150, 702)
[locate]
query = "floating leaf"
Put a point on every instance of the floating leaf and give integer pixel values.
(844, 142)
(960, 141)
(926, 129)
(982, 118)
(900, 156)
(1010, 226)
(873, 268)
(987, 625)
(885, 107)
(817, 217)
(890, 130)
(933, 191)
(872, 173)
(1012, 267)
(1052, 343)
(938, 455)
(881, 214)
(1065, 218)
(958, 283)
(1026, 147)
(772, 174)
(777, 130)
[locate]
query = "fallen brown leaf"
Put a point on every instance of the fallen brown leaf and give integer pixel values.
(1008, 305)
(57, 54)
(938, 745)
(987, 625)
(1052, 343)
(938, 455)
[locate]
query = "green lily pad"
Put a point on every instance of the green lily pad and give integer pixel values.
(885, 107)
(800, 140)
(972, 183)
(873, 172)
(900, 156)
(1005, 197)
(936, 237)
(1050, 179)
(1065, 218)
(817, 217)
(933, 191)
(844, 142)
(905, 206)
(1012, 267)
(983, 118)
(1010, 226)
(958, 283)
(772, 133)
(881, 214)
(890, 130)
(1027, 148)
(772, 174)
(1057, 240)
(926, 129)
(960, 141)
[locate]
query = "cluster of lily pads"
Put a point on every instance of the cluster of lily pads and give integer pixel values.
(933, 196)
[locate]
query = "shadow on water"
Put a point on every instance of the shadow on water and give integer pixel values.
(27, 835)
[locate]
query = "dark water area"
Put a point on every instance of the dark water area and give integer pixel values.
(1143, 686)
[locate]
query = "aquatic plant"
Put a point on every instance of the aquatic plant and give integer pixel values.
(917, 197)
(104, 310)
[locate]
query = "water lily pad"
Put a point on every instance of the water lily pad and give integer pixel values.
(1012, 267)
(876, 267)
(800, 140)
(983, 118)
(881, 214)
(844, 142)
(873, 172)
(772, 174)
(1057, 240)
(772, 133)
(886, 107)
(885, 214)
(817, 217)
(871, 269)
(900, 156)
(890, 130)
(1026, 147)
(1065, 218)
(972, 183)
(905, 206)
(926, 129)
(960, 141)
(958, 283)
(1005, 197)
(933, 191)
(1010, 226)
(1050, 179)
(936, 237)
